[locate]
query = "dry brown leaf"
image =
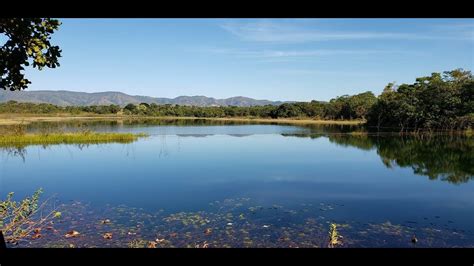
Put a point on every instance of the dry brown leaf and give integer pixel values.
(72, 233)
(208, 231)
(152, 244)
(36, 236)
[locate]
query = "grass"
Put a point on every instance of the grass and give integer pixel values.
(67, 138)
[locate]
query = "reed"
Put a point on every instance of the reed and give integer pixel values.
(68, 138)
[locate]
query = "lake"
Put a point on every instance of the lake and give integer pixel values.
(228, 184)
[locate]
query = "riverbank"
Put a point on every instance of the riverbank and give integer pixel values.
(15, 119)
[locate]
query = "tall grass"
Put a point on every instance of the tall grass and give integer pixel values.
(67, 138)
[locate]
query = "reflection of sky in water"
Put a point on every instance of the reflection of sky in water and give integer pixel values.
(185, 168)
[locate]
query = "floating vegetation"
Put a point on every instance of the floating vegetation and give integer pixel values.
(228, 224)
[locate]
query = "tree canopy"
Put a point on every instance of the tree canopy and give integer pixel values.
(440, 101)
(28, 42)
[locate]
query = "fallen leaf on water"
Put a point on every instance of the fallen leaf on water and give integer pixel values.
(107, 235)
(36, 236)
(72, 233)
(151, 244)
(208, 231)
(37, 230)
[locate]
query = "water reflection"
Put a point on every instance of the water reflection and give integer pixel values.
(248, 185)
(445, 157)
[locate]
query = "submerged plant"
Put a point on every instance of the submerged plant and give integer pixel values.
(137, 243)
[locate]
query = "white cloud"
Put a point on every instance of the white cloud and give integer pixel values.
(288, 54)
(272, 32)
(317, 72)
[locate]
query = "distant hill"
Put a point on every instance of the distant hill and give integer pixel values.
(73, 98)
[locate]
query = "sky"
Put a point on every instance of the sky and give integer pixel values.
(275, 59)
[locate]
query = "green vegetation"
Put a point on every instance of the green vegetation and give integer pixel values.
(68, 138)
(13, 107)
(28, 40)
(345, 107)
(19, 219)
(17, 136)
(438, 102)
(333, 236)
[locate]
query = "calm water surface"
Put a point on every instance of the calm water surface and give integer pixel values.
(253, 185)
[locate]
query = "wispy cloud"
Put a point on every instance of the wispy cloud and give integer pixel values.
(317, 72)
(272, 32)
(465, 30)
(289, 54)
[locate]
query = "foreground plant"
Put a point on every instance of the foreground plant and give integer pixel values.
(19, 219)
(333, 236)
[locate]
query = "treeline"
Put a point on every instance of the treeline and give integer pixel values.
(46, 108)
(437, 102)
(344, 107)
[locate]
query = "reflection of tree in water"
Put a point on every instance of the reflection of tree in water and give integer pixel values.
(445, 157)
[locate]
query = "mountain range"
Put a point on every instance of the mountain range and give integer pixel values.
(74, 98)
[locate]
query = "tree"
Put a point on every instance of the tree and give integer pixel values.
(28, 42)
(130, 107)
(436, 102)
(287, 110)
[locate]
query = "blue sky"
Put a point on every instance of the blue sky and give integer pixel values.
(276, 59)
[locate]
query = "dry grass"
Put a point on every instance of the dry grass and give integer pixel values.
(13, 119)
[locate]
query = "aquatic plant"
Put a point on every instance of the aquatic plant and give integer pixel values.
(333, 236)
(67, 138)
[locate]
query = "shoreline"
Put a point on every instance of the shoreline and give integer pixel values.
(14, 119)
